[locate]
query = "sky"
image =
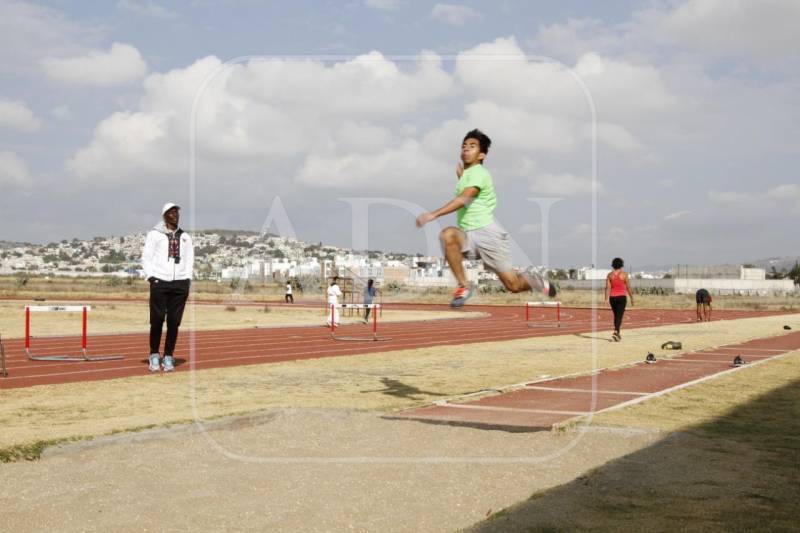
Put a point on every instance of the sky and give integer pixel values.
(663, 132)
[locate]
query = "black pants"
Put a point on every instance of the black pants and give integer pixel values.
(618, 304)
(289, 298)
(366, 312)
(167, 300)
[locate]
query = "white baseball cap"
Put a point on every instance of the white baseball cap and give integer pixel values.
(168, 206)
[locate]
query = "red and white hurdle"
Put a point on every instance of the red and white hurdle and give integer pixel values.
(374, 337)
(556, 305)
(84, 309)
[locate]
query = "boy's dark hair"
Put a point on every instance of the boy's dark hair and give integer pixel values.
(617, 263)
(483, 140)
(370, 282)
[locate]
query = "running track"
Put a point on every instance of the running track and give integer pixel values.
(222, 348)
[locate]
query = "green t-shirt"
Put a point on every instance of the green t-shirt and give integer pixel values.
(480, 212)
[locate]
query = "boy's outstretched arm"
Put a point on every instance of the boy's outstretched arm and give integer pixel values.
(462, 200)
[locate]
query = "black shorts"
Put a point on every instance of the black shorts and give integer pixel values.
(701, 295)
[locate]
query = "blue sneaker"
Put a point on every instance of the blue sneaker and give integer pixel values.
(155, 365)
(169, 363)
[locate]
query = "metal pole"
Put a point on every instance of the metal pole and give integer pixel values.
(83, 339)
(28, 330)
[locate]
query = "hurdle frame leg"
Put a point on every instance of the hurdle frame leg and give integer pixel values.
(374, 337)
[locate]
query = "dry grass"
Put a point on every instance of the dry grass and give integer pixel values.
(382, 381)
(91, 288)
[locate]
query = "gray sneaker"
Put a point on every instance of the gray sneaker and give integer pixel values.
(155, 365)
(539, 284)
(461, 295)
(169, 363)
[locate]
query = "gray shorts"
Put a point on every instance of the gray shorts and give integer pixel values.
(490, 245)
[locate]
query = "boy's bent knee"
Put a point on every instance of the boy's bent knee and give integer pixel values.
(450, 235)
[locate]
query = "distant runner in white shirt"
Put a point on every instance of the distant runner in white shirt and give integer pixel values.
(289, 297)
(333, 298)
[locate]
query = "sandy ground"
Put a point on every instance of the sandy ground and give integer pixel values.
(122, 317)
(297, 471)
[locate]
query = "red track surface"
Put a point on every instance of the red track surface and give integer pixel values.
(214, 349)
(540, 405)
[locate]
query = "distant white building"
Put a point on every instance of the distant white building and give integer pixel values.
(593, 274)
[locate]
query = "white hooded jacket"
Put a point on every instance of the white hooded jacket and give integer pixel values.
(155, 256)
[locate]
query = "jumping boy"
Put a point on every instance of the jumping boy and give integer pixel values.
(478, 235)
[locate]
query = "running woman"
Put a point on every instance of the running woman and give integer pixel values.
(478, 235)
(617, 287)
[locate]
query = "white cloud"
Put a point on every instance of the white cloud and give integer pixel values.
(768, 199)
(16, 115)
(61, 112)
(784, 192)
(764, 30)
(147, 9)
(383, 5)
(624, 94)
(530, 229)
(294, 117)
(614, 136)
(728, 197)
(121, 64)
(677, 214)
(570, 40)
(13, 170)
(396, 170)
(32, 31)
(562, 185)
(453, 14)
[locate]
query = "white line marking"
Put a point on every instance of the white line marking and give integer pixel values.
(565, 389)
(512, 409)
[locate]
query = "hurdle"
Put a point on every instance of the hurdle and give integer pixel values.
(375, 308)
(3, 371)
(556, 324)
(84, 309)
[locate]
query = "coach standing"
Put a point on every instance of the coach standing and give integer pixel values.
(168, 262)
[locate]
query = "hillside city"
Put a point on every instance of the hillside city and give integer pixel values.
(229, 255)
(224, 255)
